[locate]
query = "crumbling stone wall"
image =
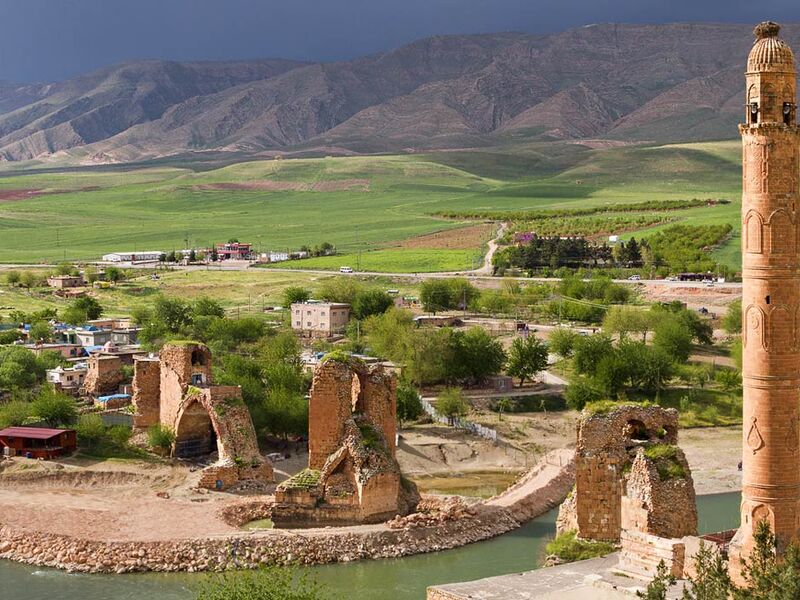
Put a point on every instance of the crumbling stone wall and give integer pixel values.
(606, 447)
(103, 377)
(653, 504)
(193, 408)
(352, 431)
(146, 392)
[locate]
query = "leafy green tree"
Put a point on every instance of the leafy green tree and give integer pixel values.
(15, 413)
(371, 302)
(91, 430)
(473, 355)
(12, 278)
(266, 583)
(340, 289)
(674, 338)
(66, 269)
(409, 404)
(732, 321)
(581, 392)
(436, 295)
(526, 358)
(611, 374)
(295, 294)
(40, 331)
(625, 320)
(462, 293)
(562, 341)
(451, 404)
(54, 408)
(73, 316)
(89, 306)
(589, 351)
(29, 280)
(19, 368)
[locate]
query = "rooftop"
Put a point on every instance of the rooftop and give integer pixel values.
(34, 433)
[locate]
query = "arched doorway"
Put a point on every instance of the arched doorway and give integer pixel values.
(194, 434)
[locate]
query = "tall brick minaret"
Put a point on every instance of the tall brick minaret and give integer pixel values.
(770, 295)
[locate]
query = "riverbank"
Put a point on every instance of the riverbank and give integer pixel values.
(437, 526)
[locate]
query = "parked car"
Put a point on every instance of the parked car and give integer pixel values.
(345, 269)
(672, 278)
(634, 278)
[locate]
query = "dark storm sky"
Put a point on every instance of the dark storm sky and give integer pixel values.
(47, 40)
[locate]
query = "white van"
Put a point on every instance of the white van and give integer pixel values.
(345, 270)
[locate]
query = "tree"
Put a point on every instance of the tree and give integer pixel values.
(40, 332)
(371, 302)
(294, 295)
(673, 337)
(266, 583)
(462, 293)
(712, 581)
(54, 408)
(526, 358)
(14, 413)
(436, 295)
(19, 368)
(89, 306)
(113, 274)
(589, 351)
(409, 404)
(66, 269)
(340, 289)
(91, 430)
(192, 255)
(562, 341)
(12, 278)
(581, 392)
(657, 589)
(29, 280)
(473, 355)
(732, 321)
(451, 404)
(503, 405)
(729, 379)
(623, 320)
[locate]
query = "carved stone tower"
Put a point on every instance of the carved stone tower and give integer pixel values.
(770, 295)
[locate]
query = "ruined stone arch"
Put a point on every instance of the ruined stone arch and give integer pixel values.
(195, 432)
(753, 326)
(781, 232)
(753, 233)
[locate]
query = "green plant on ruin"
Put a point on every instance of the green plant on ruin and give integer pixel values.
(370, 438)
(665, 457)
(305, 479)
(568, 547)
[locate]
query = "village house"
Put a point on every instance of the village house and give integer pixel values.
(69, 379)
(64, 349)
(93, 337)
(320, 319)
(65, 281)
(37, 442)
(234, 251)
(144, 256)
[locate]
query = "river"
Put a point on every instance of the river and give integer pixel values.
(392, 579)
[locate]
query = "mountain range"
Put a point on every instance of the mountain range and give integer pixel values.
(607, 82)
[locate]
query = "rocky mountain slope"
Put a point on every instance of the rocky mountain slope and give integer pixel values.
(620, 82)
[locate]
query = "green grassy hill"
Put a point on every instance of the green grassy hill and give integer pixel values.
(356, 203)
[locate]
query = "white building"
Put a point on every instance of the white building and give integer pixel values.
(144, 256)
(67, 379)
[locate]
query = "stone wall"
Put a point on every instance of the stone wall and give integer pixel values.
(103, 377)
(641, 553)
(605, 449)
(146, 392)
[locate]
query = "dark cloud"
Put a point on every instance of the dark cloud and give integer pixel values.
(44, 40)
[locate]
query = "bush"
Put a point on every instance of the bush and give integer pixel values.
(451, 404)
(581, 392)
(15, 413)
(409, 404)
(54, 408)
(160, 437)
(568, 548)
(91, 430)
(562, 341)
(266, 583)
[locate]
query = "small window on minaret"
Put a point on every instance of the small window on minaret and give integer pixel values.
(753, 112)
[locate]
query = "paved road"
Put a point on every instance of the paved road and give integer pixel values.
(246, 266)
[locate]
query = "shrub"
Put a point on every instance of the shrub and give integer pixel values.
(54, 408)
(451, 403)
(581, 392)
(569, 548)
(91, 430)
(160, 437)
(665, 457)
(266, 583)
(409, 404)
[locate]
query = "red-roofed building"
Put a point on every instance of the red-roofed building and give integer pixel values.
(38, 442)
(234, 250)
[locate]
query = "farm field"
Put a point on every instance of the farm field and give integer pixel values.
(239, 292)
(378, 205)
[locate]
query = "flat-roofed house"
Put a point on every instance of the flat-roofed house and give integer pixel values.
(320, 319)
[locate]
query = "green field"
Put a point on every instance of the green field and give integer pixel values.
(378, 201)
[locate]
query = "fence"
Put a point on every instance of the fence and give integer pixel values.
(117, 418)
(474, 428)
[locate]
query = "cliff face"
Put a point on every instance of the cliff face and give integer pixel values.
(628, 82)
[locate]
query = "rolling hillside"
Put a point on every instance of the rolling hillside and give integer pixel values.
(651, 83)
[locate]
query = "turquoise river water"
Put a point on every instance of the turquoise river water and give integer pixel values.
(392, 579)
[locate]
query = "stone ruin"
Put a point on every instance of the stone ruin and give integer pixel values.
(633, 486)
(352, 475)
(176, 390)
(103, 376)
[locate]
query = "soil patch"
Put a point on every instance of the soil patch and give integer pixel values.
(463, 238)
(17, 195)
